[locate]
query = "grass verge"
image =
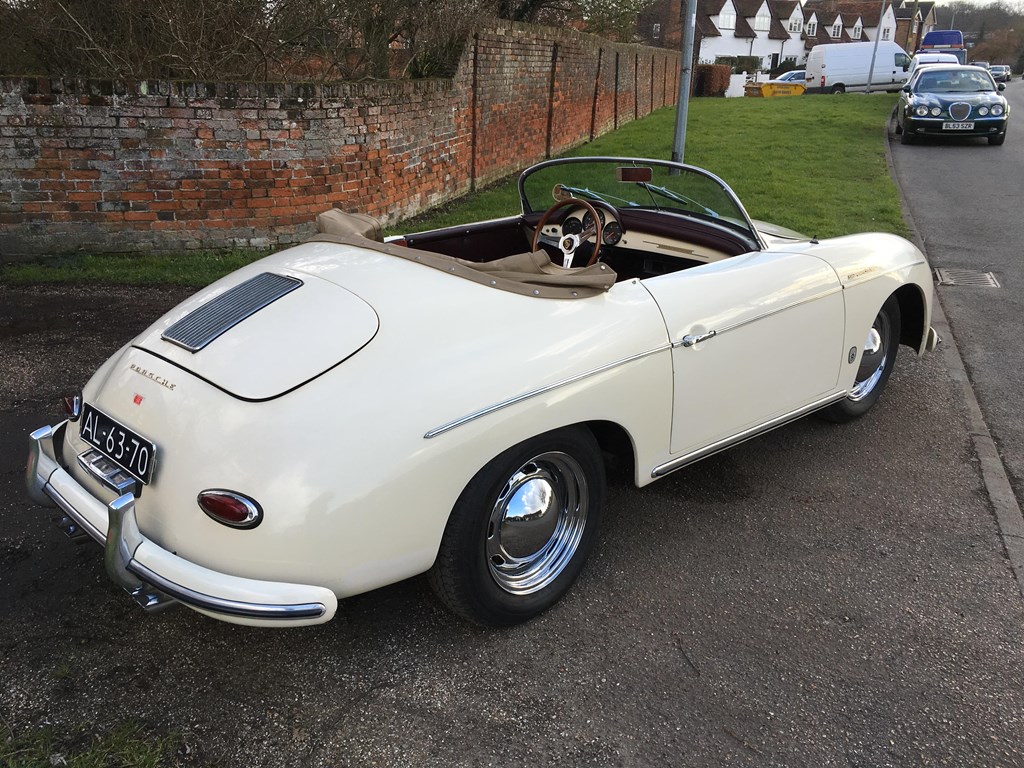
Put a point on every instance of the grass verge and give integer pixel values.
(127, 746)
(815, 164)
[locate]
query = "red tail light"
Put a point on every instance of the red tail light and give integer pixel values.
(822, 81)
(231, 508)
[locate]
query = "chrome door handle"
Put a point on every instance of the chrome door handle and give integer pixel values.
(690, 339)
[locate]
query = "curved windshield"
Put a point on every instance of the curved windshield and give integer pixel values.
(954, 81)
(634, 184)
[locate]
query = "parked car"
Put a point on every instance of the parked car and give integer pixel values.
(1000, 73)
(952, 101)
(982, 64)
(793, 76)
(921, 59)
(352, 411)
(841, 67)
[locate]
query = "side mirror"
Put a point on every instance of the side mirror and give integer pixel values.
(905, 89)
(906, 67)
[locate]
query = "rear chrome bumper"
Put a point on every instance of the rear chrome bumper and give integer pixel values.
(153, 576)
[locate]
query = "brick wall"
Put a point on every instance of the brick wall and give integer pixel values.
(101, 166)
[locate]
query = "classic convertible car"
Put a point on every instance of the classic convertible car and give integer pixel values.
(357, 410)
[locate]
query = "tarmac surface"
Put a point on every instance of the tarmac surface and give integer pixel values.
(821, 596)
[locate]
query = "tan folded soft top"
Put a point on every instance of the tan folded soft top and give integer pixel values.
(528, 274)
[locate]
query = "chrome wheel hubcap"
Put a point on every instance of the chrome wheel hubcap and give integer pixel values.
(537, 523)
(872, 362)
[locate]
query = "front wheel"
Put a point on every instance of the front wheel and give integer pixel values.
(838, 89)
(876, 363)
(522, 529)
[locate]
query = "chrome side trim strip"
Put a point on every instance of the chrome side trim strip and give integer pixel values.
(540, 391)
(742, 437)
(221, 605)
(758, 318)
(70, 511)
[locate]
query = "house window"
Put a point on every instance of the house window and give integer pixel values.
(727, 19)
(812, 29)
(796, 24)
(837, 29)
(886, 33)
(762, 21)
(656, 31)
(856, 32)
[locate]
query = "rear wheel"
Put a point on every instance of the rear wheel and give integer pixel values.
(522, 529)
(837, 89)
(876, 363)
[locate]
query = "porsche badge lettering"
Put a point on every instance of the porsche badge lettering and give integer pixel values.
(153, 377)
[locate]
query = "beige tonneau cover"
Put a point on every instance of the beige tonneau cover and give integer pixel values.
(528, 274)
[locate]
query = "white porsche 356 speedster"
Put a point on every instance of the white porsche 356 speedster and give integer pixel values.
(354, 411)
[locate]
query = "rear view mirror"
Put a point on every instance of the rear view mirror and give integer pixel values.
(633, 173)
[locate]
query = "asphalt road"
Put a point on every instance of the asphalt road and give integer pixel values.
(822, 596)
(967, 202)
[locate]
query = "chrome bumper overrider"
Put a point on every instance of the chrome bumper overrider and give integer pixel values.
(153, 576)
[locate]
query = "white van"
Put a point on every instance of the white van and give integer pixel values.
(842, 67)
(929, 58)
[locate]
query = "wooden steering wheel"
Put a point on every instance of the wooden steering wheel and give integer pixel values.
(568, 244)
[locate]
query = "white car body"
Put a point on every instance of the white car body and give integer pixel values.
(358, 408)
(924, 59)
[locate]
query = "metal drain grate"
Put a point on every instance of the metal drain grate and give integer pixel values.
(945, 276)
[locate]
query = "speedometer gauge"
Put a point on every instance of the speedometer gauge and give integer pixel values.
(612, 233)
(572, 226)
(588, 220)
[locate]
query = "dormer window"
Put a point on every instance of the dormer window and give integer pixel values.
(886, 33)
(796, 24)
(727, 19)
(812, 29)
(837, 29)
(856, 32)
(762, 21)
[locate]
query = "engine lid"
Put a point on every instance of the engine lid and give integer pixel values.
(262, 336)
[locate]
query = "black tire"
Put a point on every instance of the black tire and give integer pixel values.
(899, 128)
(997, 141)
(874, 368)
(497, 568)
(838, 89)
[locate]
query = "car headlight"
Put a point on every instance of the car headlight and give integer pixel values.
(921, 110)
(997, 110)
(936, 111)
(983, 111)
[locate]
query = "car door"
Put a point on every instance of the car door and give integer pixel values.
(755, 338)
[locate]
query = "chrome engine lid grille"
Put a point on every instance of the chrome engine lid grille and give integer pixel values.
(201, 326)
(959, 111)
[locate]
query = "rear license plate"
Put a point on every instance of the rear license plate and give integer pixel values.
(958, 126)
(129, 450)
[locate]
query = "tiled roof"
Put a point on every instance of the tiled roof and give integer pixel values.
(710, 7)
(782, 9)
(777, 30)
(747, 8)
(706, 27)
(743, 29)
